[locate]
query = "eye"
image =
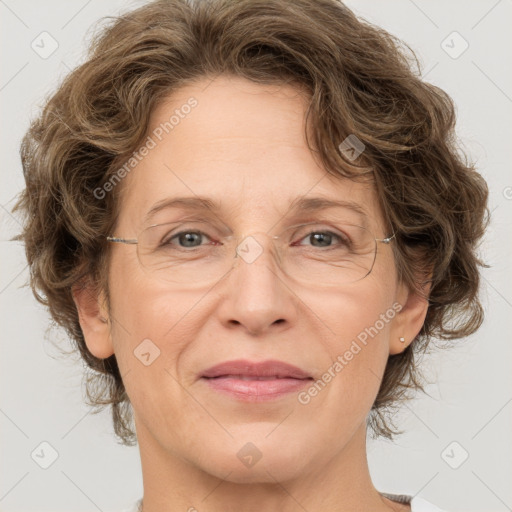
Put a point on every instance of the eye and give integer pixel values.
(186, 239)
(325, 238)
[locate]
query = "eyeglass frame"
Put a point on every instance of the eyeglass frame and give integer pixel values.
(135, 241)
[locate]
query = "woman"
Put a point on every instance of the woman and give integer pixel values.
(250, 216)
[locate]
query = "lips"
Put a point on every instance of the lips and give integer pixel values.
(255, 382)
(249, 370)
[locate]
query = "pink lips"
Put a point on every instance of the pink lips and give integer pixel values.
(253, 381)
(270, 368)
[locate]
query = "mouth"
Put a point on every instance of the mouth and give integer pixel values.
(249, 377)
(255, 389)
(255, 382)
(253, 369)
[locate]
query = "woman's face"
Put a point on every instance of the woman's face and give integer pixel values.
(241, 145)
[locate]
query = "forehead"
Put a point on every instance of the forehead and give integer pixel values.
(229, 106)
(243, 146)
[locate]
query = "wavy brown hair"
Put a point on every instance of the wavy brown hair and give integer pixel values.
(360, 81)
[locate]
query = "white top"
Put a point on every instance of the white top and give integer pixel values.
(417, 504)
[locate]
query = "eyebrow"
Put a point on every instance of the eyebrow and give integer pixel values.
(300, 205)
(315, 204)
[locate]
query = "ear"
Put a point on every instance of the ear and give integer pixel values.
(410, 318)
(94, 319)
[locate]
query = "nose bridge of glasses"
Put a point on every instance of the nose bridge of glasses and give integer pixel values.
(250, 247)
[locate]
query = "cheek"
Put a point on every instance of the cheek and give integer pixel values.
(138, 300)
(153, 335)
(152, 327)
(356, 326)
(145, 310)
(359, 315)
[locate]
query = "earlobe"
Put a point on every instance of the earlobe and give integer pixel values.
(410, 319)
(93, 318)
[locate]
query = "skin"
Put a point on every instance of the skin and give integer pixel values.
(243, 146)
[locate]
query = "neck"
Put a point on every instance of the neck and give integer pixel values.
(343, 484)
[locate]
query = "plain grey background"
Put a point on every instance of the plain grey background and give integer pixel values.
(457, 451)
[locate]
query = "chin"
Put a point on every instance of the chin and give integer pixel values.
(254, 462)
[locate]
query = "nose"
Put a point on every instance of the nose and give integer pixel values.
(257, 298)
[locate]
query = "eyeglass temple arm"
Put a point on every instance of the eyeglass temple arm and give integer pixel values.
(386, 240)
(121, 240)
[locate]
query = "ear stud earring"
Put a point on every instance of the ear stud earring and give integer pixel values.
(402, 340)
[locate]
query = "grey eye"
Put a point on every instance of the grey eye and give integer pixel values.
(324, 239)
(187, 239)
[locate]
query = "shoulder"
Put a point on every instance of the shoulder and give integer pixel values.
(136, 507)
(422, 505)
(416, 503)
